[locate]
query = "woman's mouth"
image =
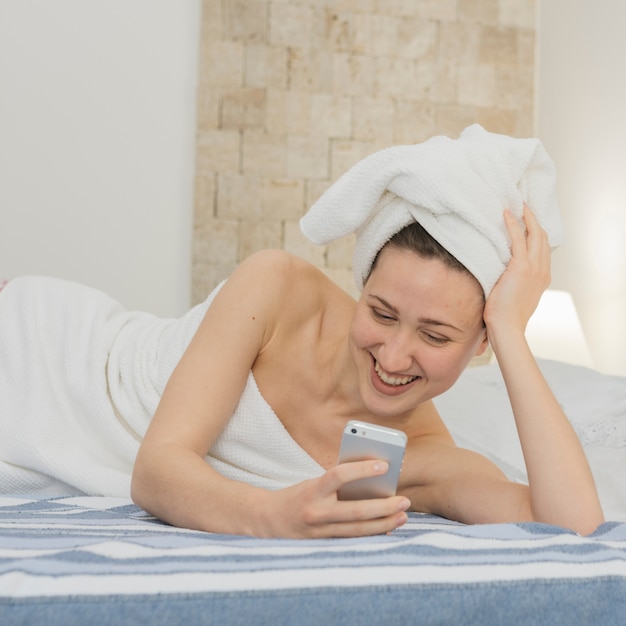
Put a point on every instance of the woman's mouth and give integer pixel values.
(393, 381)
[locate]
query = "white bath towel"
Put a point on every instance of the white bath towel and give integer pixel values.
(457, 189)
(257, 449)
(81, 377)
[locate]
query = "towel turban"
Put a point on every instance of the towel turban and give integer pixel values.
(457, 189)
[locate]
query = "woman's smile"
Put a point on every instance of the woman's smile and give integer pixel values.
(389, 383)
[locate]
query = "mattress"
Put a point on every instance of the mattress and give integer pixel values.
(94, 560)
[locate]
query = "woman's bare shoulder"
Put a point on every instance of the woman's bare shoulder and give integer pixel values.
(274, 289)
(282, 276)
(276, 263)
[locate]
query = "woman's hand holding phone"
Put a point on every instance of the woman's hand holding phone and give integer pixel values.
(353, 499)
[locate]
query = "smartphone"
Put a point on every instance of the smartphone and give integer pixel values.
(361, 441)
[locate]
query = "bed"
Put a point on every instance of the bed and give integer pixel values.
(95, 560)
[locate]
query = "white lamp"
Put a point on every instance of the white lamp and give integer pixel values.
(554, 331)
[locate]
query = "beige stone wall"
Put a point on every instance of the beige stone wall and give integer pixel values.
(293, 92)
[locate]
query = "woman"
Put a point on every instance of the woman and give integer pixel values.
(245, 434)
(321, 359)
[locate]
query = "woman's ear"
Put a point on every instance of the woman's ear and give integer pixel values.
(483, 353)
(484, 344)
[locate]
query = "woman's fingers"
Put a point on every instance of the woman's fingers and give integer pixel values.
(537, 250)
(527, 275)
(344, 473)
(364, 528)
(317, 511)
(538, 245)
(516, 233)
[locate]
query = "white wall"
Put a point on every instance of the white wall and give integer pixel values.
(581, 118)
(97, 125)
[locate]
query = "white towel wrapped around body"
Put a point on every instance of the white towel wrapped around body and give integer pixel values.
(81, 377)
(457, 189)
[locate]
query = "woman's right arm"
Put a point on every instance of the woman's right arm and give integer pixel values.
(171, 479)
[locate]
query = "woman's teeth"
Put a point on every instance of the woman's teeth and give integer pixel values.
(392, 380)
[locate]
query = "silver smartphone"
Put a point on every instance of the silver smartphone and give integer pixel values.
(362, 441)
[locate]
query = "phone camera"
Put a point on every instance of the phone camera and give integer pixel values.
(353, 431)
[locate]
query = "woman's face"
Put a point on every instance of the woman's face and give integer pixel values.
(417, 325)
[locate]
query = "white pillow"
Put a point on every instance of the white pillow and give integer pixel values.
(479, 416)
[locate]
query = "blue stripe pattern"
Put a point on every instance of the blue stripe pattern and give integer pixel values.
(78, 559)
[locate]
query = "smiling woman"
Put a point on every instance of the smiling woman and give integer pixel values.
(424, 312)
(230, 418)
(419, 342)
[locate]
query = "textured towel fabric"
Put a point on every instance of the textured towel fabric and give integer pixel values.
(257, 449)
(457, 189)
(81, 377)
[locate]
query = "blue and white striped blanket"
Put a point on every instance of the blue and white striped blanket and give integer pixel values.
(93, 560)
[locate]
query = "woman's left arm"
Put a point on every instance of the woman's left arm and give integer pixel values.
(561, 487)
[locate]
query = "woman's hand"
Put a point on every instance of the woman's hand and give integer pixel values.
(516, 294)
(311, 508)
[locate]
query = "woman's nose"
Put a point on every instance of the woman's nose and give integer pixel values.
(396, 354)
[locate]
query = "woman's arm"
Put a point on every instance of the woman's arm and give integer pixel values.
(171, 479)
(562, 489)
(460, 484)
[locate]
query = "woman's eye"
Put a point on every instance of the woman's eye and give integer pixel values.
(436, 339)
(382, 315)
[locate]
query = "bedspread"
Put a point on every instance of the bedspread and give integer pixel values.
(94, 560)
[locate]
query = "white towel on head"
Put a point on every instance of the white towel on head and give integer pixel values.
(457, 189)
